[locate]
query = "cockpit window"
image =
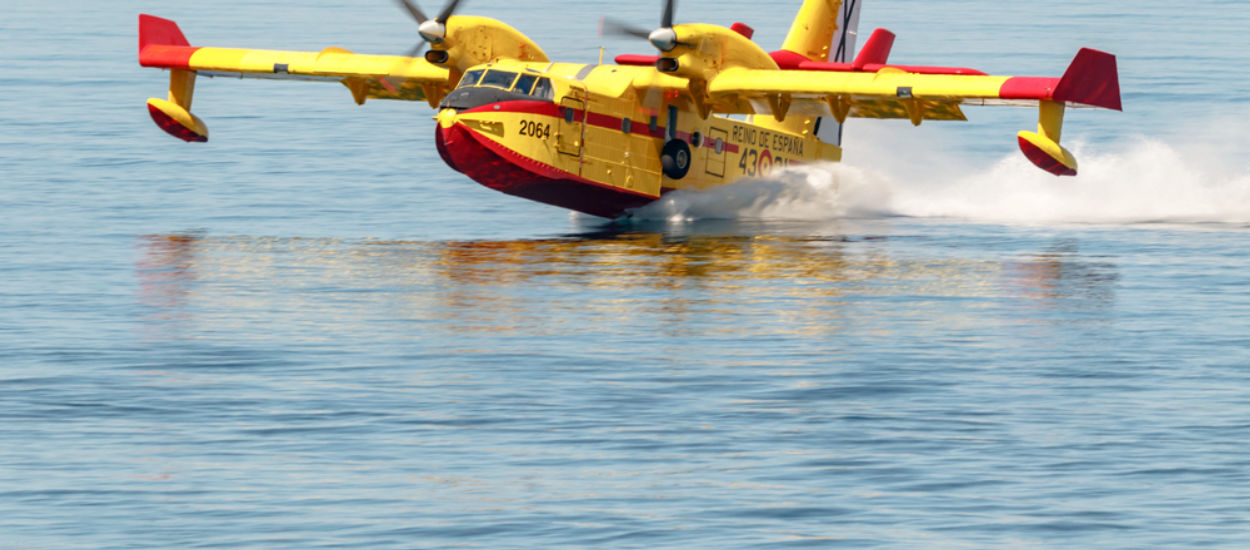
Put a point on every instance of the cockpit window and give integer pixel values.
(543, 89)
(498, 79)
(525, 83)
(470, 78)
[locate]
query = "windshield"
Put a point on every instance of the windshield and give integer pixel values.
(528, 83)
(470, 78)
(498, 79)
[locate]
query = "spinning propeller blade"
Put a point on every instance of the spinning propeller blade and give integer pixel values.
(663, 38)
(614, 27)
(414, 10)
(432, 31)
(416, 50)
(449, 9)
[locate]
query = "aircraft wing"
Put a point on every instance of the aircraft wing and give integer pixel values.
(890, 92)
(926, 93)
(162, 45)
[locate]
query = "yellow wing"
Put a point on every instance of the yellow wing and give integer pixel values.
(162, 44)
(924, 93)
(883, 94)
(906, 92)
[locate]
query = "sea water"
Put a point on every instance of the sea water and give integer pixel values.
(310, 333)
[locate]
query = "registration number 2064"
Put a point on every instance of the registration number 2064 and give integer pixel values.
(533, 129)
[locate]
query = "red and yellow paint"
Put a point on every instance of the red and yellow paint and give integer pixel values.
(596, 139)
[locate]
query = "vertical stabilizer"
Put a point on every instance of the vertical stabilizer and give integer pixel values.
(828, 129)
(843, 46)
(823, 30)
(815, 30)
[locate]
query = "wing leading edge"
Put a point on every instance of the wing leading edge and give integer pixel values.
(163, 45)
(893, 92)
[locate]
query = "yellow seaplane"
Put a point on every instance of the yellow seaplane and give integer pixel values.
(710, 108)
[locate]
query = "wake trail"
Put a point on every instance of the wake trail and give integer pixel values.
(1142, 180)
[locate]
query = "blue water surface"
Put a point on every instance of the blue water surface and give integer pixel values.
(310, 333)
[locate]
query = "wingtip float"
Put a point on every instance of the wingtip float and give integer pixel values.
(162, 44)
(603, 139)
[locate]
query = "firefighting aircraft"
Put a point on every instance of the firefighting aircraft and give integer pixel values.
(605, 138)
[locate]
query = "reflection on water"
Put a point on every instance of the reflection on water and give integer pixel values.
(1059, 274)
(718, 279)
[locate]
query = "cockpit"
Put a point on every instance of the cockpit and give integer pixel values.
(485, 86)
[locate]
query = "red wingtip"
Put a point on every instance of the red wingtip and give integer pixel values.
(743, 29)
(156, 31)
(1091, 79)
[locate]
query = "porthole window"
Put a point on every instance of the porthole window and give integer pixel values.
(626, 125)
(720, 146)
(568, 115)
(696, 139)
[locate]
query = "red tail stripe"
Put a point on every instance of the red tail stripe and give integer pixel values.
(167, 57)
(1028, 87)
(592, 118)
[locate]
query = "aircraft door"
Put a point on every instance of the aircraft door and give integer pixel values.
(572, 133)
(717, 140)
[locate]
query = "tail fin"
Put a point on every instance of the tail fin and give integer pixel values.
(824, 30)
(843, 45)
(842, 48)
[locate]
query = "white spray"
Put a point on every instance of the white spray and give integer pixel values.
(1205, 179)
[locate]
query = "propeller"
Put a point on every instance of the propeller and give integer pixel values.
(432, 31)
(616, 27)
(663, 38)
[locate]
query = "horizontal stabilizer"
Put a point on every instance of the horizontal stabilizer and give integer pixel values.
(876, 50)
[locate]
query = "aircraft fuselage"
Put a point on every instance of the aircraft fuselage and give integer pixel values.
(581, 136)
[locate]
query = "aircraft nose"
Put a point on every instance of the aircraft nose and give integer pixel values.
(446, 137)
(446, 118)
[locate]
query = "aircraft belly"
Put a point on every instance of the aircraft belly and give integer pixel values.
(515, 153)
